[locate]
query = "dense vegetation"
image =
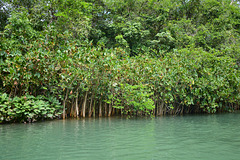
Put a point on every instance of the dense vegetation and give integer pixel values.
(128, 57)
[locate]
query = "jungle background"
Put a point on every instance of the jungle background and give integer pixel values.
(64, 58)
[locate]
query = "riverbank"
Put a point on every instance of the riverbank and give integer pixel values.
(29, 109)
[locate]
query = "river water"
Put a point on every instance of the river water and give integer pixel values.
(213, 137)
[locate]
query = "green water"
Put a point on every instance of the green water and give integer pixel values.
(213, 137)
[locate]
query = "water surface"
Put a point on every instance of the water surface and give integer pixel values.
(213, 137)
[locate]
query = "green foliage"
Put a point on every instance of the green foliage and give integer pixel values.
(132, 55)
(19, 32)
(200, 78)
(28, 108)
(138, 96)
(74, 17)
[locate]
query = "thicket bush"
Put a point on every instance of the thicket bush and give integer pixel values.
(183, 81)
(28, 108)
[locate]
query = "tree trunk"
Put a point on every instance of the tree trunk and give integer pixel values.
(182, 110)
(76, 105)
(72, 112)
(105, 107)
(82, 101)
(64, 113)
(110, 110)
(113, 111)
(94, 103)
(100, 109)
(90, 107)
(155, 109)
(84, 104)
(161, 109)
(64, 105)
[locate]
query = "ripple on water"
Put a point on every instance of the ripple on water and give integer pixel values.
(184, 137)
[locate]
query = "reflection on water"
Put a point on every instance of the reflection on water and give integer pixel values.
(183, 137)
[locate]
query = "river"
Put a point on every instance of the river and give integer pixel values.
(213, 137)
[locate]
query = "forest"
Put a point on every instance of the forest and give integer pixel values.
(87, 58)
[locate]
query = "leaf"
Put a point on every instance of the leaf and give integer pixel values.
(49, 115)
